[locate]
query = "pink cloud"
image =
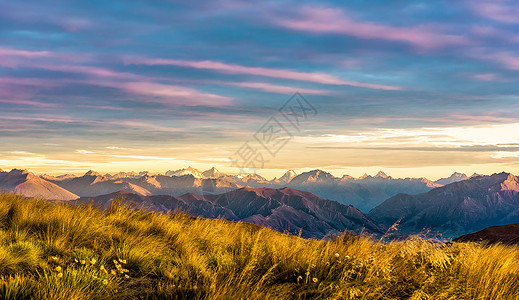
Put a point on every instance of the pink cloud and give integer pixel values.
(176, 94)
(507, 60)
(276, 88)
(330, 20)
(131, 83)
(11, 58)
(23, 53)
(266, 72)
(4, 81)
(501, 11)
(487, 77)
(27, 102)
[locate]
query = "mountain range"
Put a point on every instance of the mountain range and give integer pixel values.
(293, 202)
(364, 192)
(286, 210)
(455, 209)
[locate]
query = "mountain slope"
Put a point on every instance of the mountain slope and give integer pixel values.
(94, 184)
(504, 234)
(286, 210)
(30, 185)
(457, 208)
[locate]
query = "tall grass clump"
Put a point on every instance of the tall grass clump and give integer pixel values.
(61, 251)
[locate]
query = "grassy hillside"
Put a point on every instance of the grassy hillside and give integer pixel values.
(52, 251)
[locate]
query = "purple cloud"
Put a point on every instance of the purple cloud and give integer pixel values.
(331, 20)
(501, 11)
(266, 72)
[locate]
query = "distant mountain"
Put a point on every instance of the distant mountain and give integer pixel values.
(504, 234)
(122, 175)
(187, 171)
(30, 185)
(93, 184)
(287, 177)
(364, 192)
(457, 208)
(455, 177)
(211, 173)
(312, 177)
(286, 210)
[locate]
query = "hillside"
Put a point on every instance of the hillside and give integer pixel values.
(457, 208)
(505, 234)
(76, 252)
(285, 210)
(25, 183)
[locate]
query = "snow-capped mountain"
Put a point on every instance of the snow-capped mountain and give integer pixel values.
(187, 171)
(287, 177)
(455, 177)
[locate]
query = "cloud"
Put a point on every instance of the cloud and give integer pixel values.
(81, 151)
(23, 53)
(260, 71)
(336, 21)
(501, 11)
(175, 94)
(272, 88)
(487, 77)
(101, 76)
(505, 59)
(27, 102)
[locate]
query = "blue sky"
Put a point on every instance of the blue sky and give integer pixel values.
(413, 88)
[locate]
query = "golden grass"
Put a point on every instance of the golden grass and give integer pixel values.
(50, 251)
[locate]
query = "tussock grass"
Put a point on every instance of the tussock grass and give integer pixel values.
(59, 251)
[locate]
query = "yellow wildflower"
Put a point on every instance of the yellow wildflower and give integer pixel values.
(58, 268)
(315, 279)
(60, 275)
(82, 261)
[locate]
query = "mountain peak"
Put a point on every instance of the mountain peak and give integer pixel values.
(455, 177)
(93, 173)
(211, 173)
(289, 175)
(381, 174)
(187, 171)
(510, 184)
(19, 172)
(364, 176)
(314, 176)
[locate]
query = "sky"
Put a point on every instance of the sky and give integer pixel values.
(413, 88)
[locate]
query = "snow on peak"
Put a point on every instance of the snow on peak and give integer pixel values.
(288, 176)
(187, 171)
